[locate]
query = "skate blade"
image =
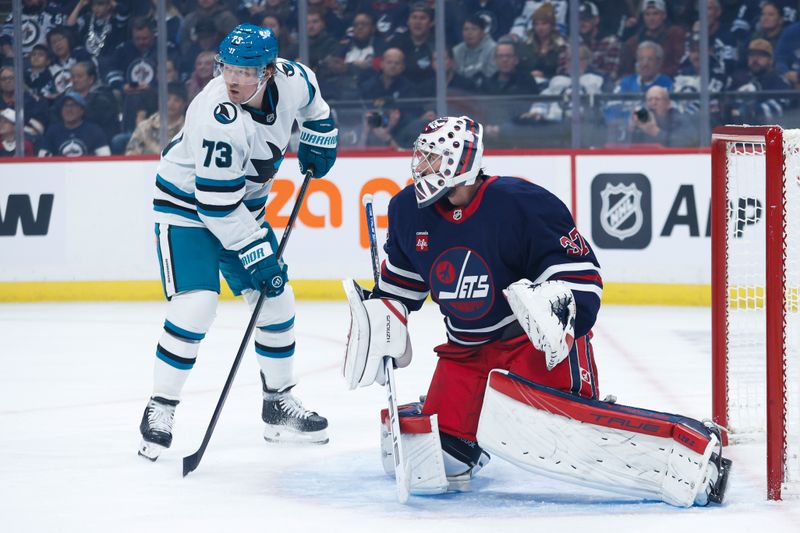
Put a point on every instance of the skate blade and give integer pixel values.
(150, 450)
(284, 435)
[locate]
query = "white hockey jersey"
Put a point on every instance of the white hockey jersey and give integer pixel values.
(217, 171)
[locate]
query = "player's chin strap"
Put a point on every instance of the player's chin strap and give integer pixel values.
(262, 82)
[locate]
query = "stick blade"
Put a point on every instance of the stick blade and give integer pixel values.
(190, 462)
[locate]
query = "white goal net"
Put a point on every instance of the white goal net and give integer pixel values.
(756, 279)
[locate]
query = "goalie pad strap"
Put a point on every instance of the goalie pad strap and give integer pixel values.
(642, 453)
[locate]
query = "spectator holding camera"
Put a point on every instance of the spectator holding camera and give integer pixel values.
(649, 57)
(660, 123)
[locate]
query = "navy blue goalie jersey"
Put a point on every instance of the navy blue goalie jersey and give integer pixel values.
(465, 257)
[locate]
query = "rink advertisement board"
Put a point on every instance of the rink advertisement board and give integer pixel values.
(91, 220)
(647, 216)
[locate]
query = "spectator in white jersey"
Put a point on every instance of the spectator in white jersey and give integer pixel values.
(212, 184)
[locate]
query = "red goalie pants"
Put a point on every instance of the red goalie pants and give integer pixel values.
(456, 390)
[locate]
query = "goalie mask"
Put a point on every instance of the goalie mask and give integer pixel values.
(447, 153)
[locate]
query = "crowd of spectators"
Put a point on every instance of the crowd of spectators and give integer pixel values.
(91, 74)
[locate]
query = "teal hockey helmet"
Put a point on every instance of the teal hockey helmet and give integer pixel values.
(248, 46)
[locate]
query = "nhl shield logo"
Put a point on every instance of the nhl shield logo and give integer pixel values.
(621, 213)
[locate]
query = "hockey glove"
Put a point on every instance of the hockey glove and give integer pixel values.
(267, 272)
(317, 150)
(378, 329)
(547, 314)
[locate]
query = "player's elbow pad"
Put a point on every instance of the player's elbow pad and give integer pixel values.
(378, 329)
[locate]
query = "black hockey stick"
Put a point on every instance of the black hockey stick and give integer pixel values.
(401, 470)
(190, 462)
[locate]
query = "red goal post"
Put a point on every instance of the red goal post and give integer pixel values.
(755, 213)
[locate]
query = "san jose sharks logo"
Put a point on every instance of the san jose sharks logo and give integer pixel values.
(461, 283)
(225, 113)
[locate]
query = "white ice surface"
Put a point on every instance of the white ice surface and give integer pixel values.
(74, 379)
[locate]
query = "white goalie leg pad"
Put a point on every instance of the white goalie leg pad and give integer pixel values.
(547, 314)
(610, 447)
(420, 435)
(377, 330)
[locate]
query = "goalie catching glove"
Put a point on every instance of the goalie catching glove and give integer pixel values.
(547, 314)
(377, 330)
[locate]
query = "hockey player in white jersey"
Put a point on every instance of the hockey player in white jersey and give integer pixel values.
(210, 197)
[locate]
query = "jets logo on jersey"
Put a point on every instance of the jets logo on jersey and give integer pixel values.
(461, 283)
(225, 113)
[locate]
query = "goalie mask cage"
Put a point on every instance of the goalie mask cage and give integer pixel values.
(755, 281)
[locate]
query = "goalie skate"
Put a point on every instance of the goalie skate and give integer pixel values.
(156, 427)
(287, 421)
(716, 480)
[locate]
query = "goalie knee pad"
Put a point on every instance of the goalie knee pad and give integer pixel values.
(613, 447)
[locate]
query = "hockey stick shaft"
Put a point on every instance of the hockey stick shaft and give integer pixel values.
(190, 462)
(400, 469)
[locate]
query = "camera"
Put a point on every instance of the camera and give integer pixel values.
(642, 114)
(377, 119)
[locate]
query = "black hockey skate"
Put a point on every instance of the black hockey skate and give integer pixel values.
(287, 421)
(156, 427)
(719, 469)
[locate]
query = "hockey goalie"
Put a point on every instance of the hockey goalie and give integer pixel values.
(520, 290)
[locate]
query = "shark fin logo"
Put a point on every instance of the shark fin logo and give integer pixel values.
(225, 113)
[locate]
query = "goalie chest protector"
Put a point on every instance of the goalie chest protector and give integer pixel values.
(465, 256)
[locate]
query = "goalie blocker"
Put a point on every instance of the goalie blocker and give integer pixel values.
(641, 453)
